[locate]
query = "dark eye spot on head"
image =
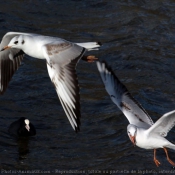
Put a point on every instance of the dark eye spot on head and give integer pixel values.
(23, 41)
(16, 42)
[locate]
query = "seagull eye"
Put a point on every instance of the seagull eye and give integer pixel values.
(16, 42)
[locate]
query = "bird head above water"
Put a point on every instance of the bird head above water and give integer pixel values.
(16, 42)
(132, 132)
(22, 127)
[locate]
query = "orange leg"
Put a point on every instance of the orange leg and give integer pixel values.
(155, 160)
(89, 58)
(169, 160)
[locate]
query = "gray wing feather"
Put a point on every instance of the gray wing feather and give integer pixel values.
(164, 124)
(61, 63)
(10, 61)
(119, 94)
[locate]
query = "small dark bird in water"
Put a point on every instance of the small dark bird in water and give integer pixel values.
(22, 127)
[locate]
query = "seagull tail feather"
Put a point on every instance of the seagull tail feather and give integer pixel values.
(171, 146)
(90, 45)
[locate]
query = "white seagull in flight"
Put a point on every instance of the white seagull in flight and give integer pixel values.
(61, 57)
(141, 130)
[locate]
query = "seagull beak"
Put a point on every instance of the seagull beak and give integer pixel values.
(133, 139)
(6, 47)
(27, 127)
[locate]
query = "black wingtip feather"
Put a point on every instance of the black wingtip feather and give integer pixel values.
(99, 43)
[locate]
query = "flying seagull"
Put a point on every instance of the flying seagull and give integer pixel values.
(61, 58)
(141, 130)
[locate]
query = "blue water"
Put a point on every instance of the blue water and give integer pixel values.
(138, 42)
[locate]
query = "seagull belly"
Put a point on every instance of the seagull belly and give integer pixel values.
(151, 141)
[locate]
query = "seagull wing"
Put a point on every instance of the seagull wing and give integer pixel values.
(62, 59)
(164, 124)
(10, 61)
(119, 94)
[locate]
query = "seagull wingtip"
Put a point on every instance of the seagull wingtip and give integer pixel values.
(77, 129)
(99, 43)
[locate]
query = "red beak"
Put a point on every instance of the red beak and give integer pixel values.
(6, 47)
(133, 140)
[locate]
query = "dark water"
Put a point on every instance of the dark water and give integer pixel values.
(138, 42)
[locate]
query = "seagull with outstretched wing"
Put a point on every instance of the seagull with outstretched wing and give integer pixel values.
(141, 130)
(61, 57)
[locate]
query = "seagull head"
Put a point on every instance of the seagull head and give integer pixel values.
(26, 121)
(16, 42)
(132, 132)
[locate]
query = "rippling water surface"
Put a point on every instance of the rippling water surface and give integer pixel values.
(138, 42)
